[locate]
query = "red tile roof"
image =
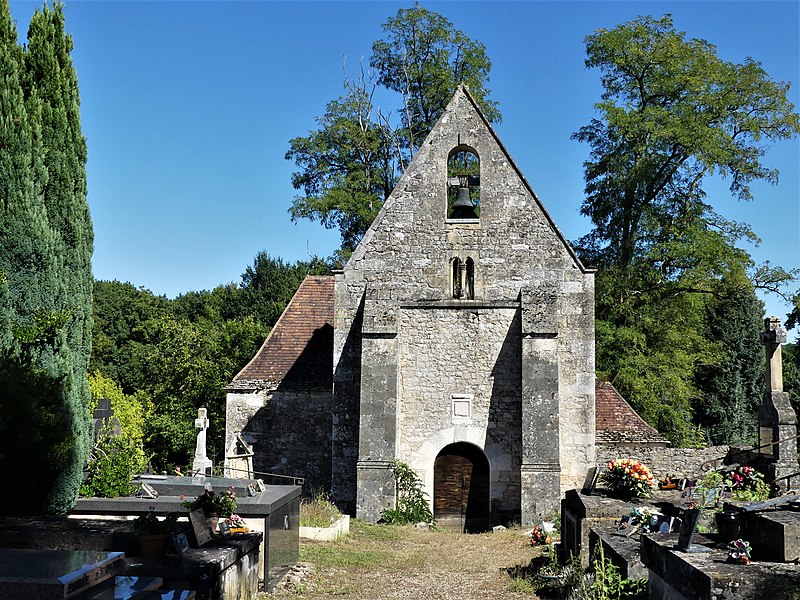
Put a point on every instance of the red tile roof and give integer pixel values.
(617, 423)
(299, 349)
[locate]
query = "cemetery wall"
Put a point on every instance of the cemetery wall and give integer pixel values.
(683, 462)
(290, 429)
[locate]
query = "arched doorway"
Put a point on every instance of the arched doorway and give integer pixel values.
(461, 488)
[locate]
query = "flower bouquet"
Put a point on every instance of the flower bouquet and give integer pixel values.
(222, 504)
(628, 478)
(236, 524)
(739, 552)
(539, 537)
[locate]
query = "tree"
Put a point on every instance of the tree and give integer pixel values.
(347, 167)
(46, 254)
(269, 284)
(120, 334)
(732, 388)
(673, 114)
(424, 58)
(350, 164)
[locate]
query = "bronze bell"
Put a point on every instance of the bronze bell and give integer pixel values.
(463, 207)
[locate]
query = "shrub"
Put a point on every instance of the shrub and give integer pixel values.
(411, 505)
(112, 466)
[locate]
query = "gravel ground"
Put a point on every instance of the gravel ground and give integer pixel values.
(390, 562)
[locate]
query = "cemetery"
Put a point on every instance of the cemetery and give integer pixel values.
(450, 371)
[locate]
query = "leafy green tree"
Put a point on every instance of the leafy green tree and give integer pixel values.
(269, 284)
(424, 58)
(346, 167)
(350, 164)
(672, 115)
(120, 334)
(46, 253)
(188, 365)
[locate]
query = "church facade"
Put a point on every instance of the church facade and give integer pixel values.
(460, 341)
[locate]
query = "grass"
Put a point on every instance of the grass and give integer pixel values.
(318, 512)
(404, 562)
(341, 557)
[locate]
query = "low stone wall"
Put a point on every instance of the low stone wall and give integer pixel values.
(327, 534)
(681, 462)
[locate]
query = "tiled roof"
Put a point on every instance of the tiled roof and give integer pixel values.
(299, 349)
(617, 423)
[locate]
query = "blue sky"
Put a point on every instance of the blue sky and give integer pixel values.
(188, 108)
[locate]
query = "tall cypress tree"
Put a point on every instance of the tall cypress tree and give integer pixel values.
(732, 389)
(46, 261)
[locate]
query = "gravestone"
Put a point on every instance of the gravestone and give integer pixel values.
(104, 420)
(201, 462)
(777, 419)
(687, 532)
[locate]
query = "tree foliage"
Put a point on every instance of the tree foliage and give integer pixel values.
(175, 356)
(116, 459)
(673, 114)
(349, 165)
(732, 388)
(46, 258)
(424, 58)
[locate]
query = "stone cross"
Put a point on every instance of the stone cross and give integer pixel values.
(201, 461)
(773, 336)
(776, 419)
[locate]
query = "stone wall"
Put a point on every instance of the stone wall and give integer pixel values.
(682, 462)
(403, 268)
(291, 429)
(486, 377)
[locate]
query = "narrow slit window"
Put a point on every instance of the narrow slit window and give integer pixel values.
(456, 277)
(469, 282)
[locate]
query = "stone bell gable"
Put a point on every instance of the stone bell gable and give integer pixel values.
(463, 339)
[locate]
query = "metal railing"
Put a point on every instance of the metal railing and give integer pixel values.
(295, 480)
(707, 464)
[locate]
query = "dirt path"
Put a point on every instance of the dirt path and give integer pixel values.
(382, 562)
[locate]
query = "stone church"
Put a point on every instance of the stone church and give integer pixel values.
(459, 339)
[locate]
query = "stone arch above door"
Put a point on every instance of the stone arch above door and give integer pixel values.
(461, 488)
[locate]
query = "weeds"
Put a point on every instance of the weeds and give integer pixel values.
(318, 512)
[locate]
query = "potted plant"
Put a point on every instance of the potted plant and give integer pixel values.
(214, 505)
(627, 478)
(153, 531)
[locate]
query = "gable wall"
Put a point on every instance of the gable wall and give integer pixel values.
(403, 261)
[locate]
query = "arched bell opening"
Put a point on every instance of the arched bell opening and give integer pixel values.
(463, 184)
(461, 488)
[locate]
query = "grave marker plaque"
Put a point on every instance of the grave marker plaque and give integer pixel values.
(200, 528)
(688, 528)
(589, 484)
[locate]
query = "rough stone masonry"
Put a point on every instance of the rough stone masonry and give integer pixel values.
(451, 334)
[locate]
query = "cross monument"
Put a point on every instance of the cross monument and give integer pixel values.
(201, 462)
